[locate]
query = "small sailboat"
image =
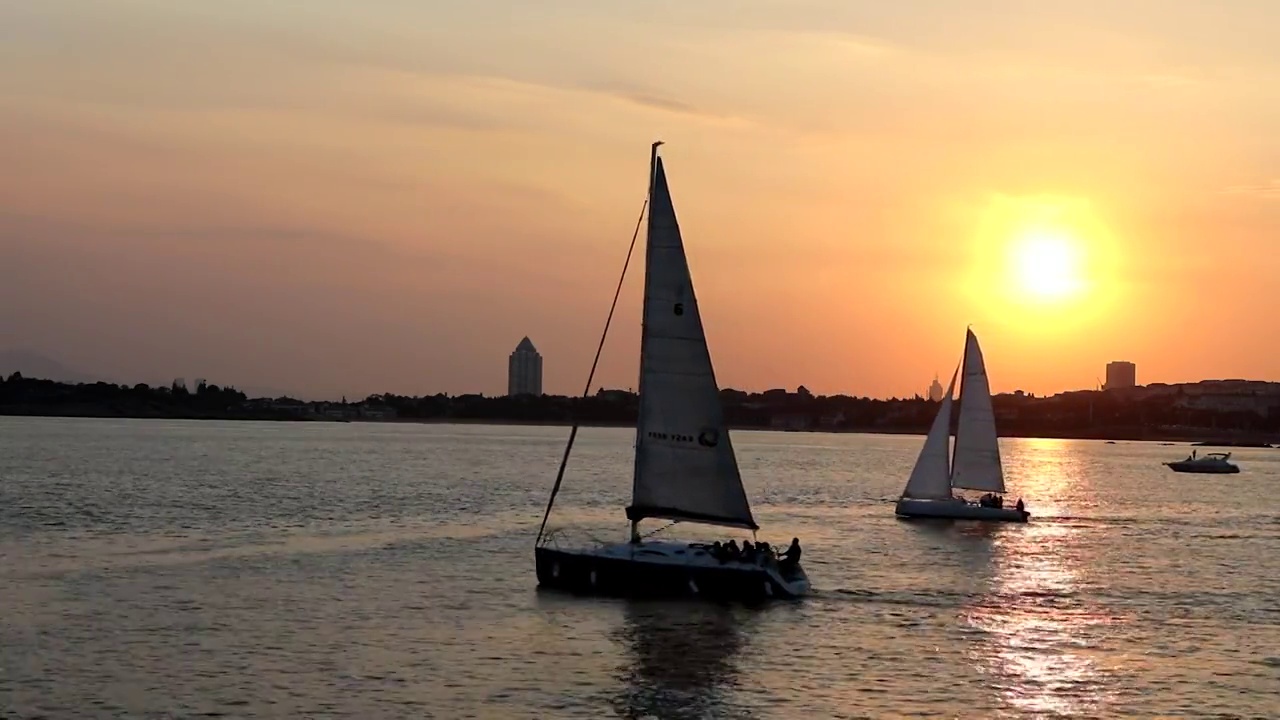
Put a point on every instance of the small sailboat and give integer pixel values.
(975, 463)
(685, 469)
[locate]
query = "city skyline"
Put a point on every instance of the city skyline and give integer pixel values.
(331, 200)
(37, 366)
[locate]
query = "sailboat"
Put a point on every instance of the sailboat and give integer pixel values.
(685, 469)
(974, 464)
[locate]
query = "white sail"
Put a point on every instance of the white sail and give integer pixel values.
(931, 477)
(685, 468)
(977, 453)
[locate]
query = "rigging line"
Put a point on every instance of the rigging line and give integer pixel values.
(669, 525)
(573, 432)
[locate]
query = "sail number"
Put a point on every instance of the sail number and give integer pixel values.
(670, 436)
(707, 438)
(678, 309)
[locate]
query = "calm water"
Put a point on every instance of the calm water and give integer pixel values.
(181, 569)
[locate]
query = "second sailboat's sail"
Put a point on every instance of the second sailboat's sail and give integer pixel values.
(977, 454)
(931, 477)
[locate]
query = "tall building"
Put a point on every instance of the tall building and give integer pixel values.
(1121, 374)
(524, 370)
(935, 390)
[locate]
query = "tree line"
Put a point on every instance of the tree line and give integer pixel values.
(1078, 414)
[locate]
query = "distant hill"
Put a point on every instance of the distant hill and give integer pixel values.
(33, 364)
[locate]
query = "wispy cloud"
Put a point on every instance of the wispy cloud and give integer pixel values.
(1269, 190)
(858, 44)
(646, 98)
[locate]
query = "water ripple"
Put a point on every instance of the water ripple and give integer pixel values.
(169, 569)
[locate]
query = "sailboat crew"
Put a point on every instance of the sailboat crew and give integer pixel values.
(791, 557)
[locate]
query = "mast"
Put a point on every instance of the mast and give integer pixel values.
(964, 371)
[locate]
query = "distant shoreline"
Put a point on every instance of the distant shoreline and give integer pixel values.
(1114, 435)
(1100, 435)
(1248, 420)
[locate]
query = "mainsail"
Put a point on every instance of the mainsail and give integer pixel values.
(931, 477)
(685, 468)
(976, 465)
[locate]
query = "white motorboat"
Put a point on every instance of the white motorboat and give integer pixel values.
(1213, 463)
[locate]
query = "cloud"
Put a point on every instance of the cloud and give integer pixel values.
(646, 98)
(855, 43)
(1269, 190)
(661, 103)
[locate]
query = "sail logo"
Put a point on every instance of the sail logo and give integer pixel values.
(709, 437)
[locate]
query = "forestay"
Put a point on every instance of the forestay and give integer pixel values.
(976, 465)
(685, 467)
(931, 477)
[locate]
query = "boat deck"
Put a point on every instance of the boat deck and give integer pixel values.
(958, 510)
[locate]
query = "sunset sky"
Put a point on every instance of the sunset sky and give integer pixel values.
(333, 197)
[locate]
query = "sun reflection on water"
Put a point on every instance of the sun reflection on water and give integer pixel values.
(1039, 629)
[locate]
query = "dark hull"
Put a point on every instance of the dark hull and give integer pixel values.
(946, 510)
(588, 573)
(1191, 467)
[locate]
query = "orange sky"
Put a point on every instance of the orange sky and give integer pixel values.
(333, 197)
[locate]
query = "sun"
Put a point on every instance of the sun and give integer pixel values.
(1046, 264)
(1049, 266)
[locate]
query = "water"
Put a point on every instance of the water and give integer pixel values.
(185, 569)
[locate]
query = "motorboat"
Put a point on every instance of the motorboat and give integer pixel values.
(1212, 463)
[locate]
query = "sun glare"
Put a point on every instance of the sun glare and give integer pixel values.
(1046, 264)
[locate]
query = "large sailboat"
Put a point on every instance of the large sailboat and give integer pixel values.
(974, 464)
(685, 468)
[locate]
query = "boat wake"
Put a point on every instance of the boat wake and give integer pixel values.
(930, 599)
(939, 599)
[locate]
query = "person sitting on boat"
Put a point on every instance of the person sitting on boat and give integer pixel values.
(717, 551)
(791, 557)
(764, 552)
(1019, 506)
(748, 552)
(731, 552)
(1000, 501)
